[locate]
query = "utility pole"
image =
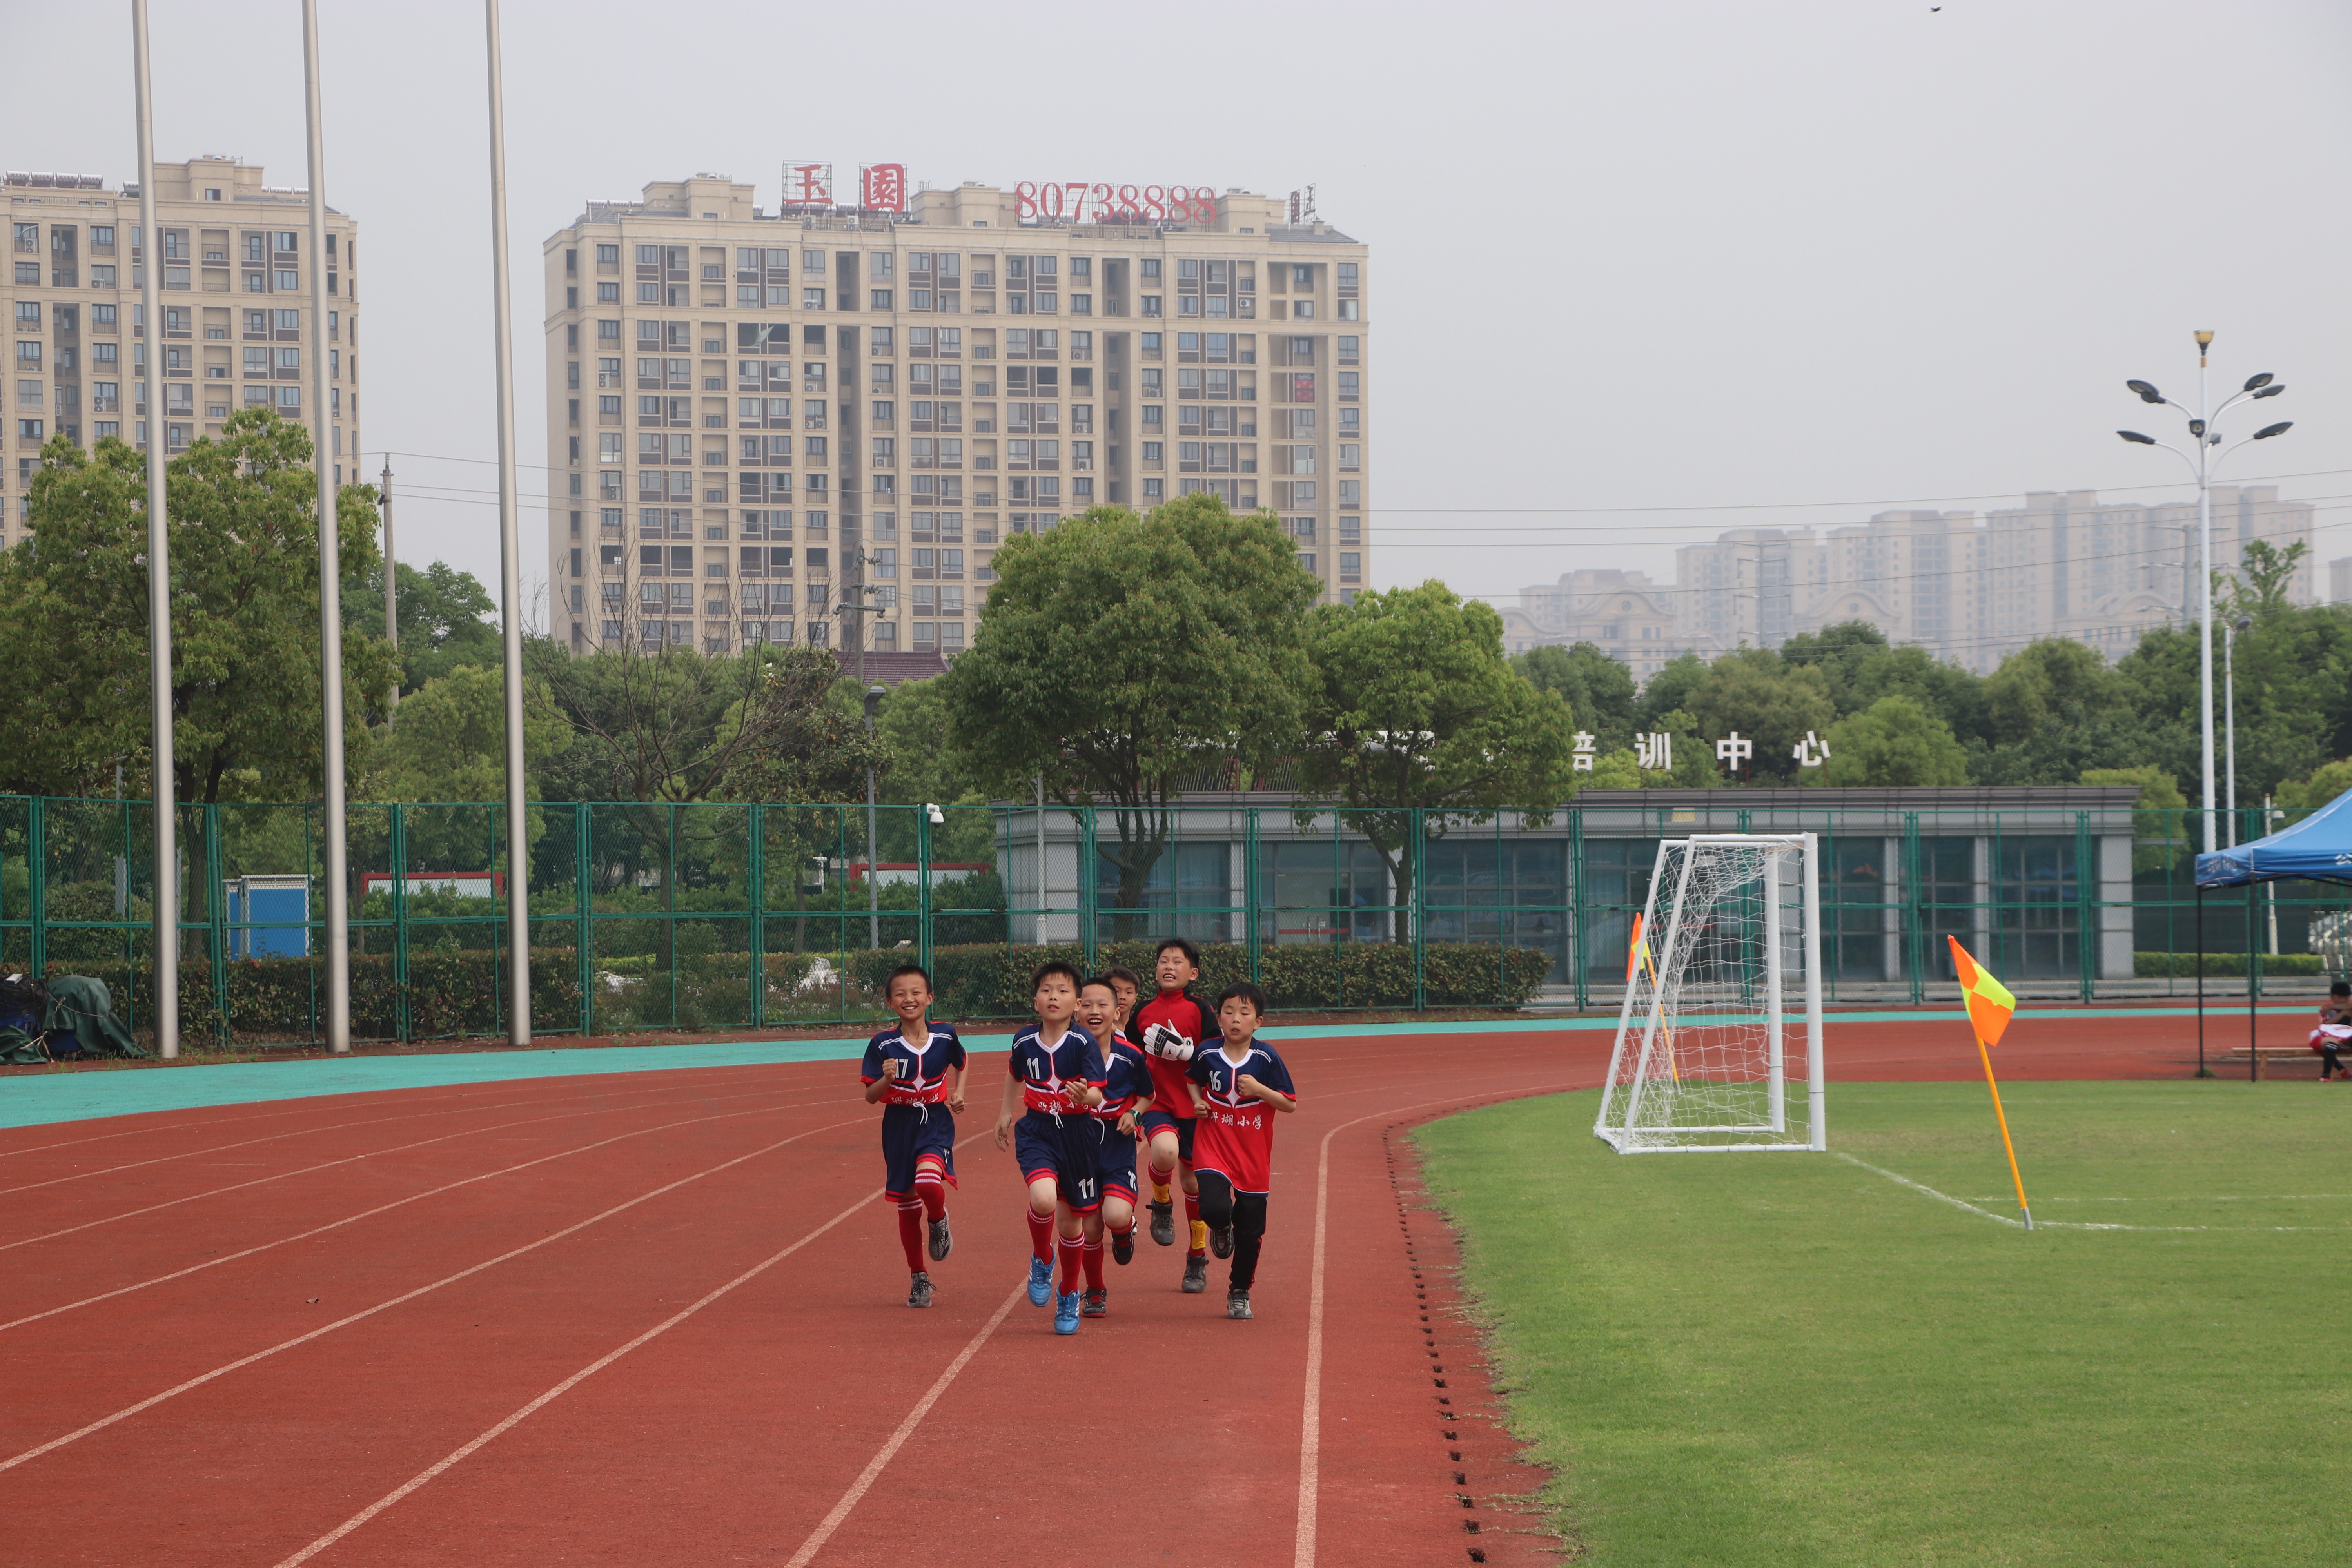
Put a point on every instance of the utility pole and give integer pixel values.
(390, 578)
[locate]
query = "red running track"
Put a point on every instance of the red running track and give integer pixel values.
(657, 1318)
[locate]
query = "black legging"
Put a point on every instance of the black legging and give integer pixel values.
(2329, 1066)
(1245, 1212)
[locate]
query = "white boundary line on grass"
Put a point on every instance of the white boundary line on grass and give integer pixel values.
(2062, 1224)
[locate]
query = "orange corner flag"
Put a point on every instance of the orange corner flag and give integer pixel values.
(1635, 951)
(1989, 1002)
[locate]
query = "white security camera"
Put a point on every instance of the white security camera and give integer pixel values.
(938, 817)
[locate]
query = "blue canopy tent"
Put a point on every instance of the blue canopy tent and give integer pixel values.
(2318, 848)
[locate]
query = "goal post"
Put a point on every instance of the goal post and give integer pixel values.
(1706, 1044)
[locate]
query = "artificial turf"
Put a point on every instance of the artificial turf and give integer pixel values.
(1786, 1358)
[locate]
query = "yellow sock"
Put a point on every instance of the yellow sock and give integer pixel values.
(1200, 1236)
(1160, 1192)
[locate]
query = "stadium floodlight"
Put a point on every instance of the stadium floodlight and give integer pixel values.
(2269, 391)
(1706, 1046)
(2281, 428)
(2146, 393)
(2137, 436)
(2255, 382)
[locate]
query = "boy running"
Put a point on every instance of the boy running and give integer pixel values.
(1126, 1090)
(1237, 1088)
(912, 1070)
(1055, 1075)
(1172, 1026)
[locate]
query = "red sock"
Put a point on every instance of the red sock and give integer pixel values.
(1093, 1265)
(1191, 1208)
(1040, 1236)
(1072, 1254)
(931, 1187)
(910, 1231)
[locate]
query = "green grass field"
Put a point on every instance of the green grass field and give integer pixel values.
(1785, 1358)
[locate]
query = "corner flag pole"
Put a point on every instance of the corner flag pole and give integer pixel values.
(1990, 1005)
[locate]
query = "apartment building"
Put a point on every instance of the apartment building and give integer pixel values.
(235, 304)
(818, 423)
(1623, 614)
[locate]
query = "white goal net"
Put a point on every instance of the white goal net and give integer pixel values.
(1707, 1043)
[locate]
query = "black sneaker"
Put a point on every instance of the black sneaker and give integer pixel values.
(1221, 1241)
(1237, 1304)
(1163, 1223)
(1196, 1275)
(941, 1242)
(1122, 1245)
(919, 1294)
(1096, 1305)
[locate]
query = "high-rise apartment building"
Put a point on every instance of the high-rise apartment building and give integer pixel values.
(236, 314)
(818, 425)
(1970, 589)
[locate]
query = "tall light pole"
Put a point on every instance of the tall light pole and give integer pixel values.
(331, 573)
(874, 695)
(166, 894)
(2201, 464)
(2230, 719)
(509, 568)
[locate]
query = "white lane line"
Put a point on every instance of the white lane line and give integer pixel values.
(331, 1165)
(299, 1133)
(841, 1509)
(1310, 1433)
(385, 1208)
(223, 1371)
(2063, 1224)
(883, 1456)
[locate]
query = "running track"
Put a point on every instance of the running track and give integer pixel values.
(657, 1318)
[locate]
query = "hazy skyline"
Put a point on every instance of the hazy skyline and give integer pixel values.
(1685, 258)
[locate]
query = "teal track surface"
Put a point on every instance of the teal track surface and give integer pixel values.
(30, 1100)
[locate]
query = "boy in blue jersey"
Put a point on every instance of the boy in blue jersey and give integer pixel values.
(915, 1070)
(1127, 1090)
(1055, 1076)
(1238, 1085)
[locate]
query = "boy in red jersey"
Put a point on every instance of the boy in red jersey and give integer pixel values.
(1126, 1088)
(1170, 1028)
(1055, 1076)
(917, 1071)
(1237, 1088)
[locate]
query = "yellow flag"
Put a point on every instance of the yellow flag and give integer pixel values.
(1989, 1002)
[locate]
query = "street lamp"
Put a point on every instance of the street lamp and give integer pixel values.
(2201, 464)
(874, 695)
(2230, 714)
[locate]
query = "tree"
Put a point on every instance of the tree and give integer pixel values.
(439, 611)
(2324, 784)
(1838, 651)
(1669, 689)
(1119, 654)
(2054, 709)
(2266, 577)
(245, 618)
(1598, 689)
(1767, 700)
(926, 769)
(1893, 742)
(446, 743)
(1414, 714)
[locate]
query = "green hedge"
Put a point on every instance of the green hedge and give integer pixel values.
(2223, 965)
(450, 993)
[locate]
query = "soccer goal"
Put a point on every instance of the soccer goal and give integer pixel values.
(1707, 1044)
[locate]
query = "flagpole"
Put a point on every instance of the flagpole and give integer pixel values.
(2002, 1117)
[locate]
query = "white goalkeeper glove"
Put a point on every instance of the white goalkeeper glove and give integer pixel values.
(1167, 1044)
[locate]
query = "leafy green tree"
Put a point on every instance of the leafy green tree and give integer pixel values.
(1598, 689)
(1767, 700)
(440, 613)
(245, 618)
(446, 743)
(2266, 577)
(926, 769)
(1895, 741)
(2054, 709)
(1118, 655)
(2324, 784)
(1670, 689)
(1413, 709)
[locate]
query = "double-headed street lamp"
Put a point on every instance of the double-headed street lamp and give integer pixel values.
(2201, 464)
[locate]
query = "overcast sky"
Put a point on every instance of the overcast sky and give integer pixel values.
(1651, 257)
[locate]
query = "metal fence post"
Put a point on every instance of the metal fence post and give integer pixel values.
(924, 929)
(1417, 907)
(583, 900)
(2088, 903)
(755, 855)
(398, 852)
(1252, 849)
(1579, 979)
(36, 866)
(1086, 876)
(217, 926)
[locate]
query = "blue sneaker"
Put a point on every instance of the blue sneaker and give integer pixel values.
(1066, 1313)
(1041, 1281)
